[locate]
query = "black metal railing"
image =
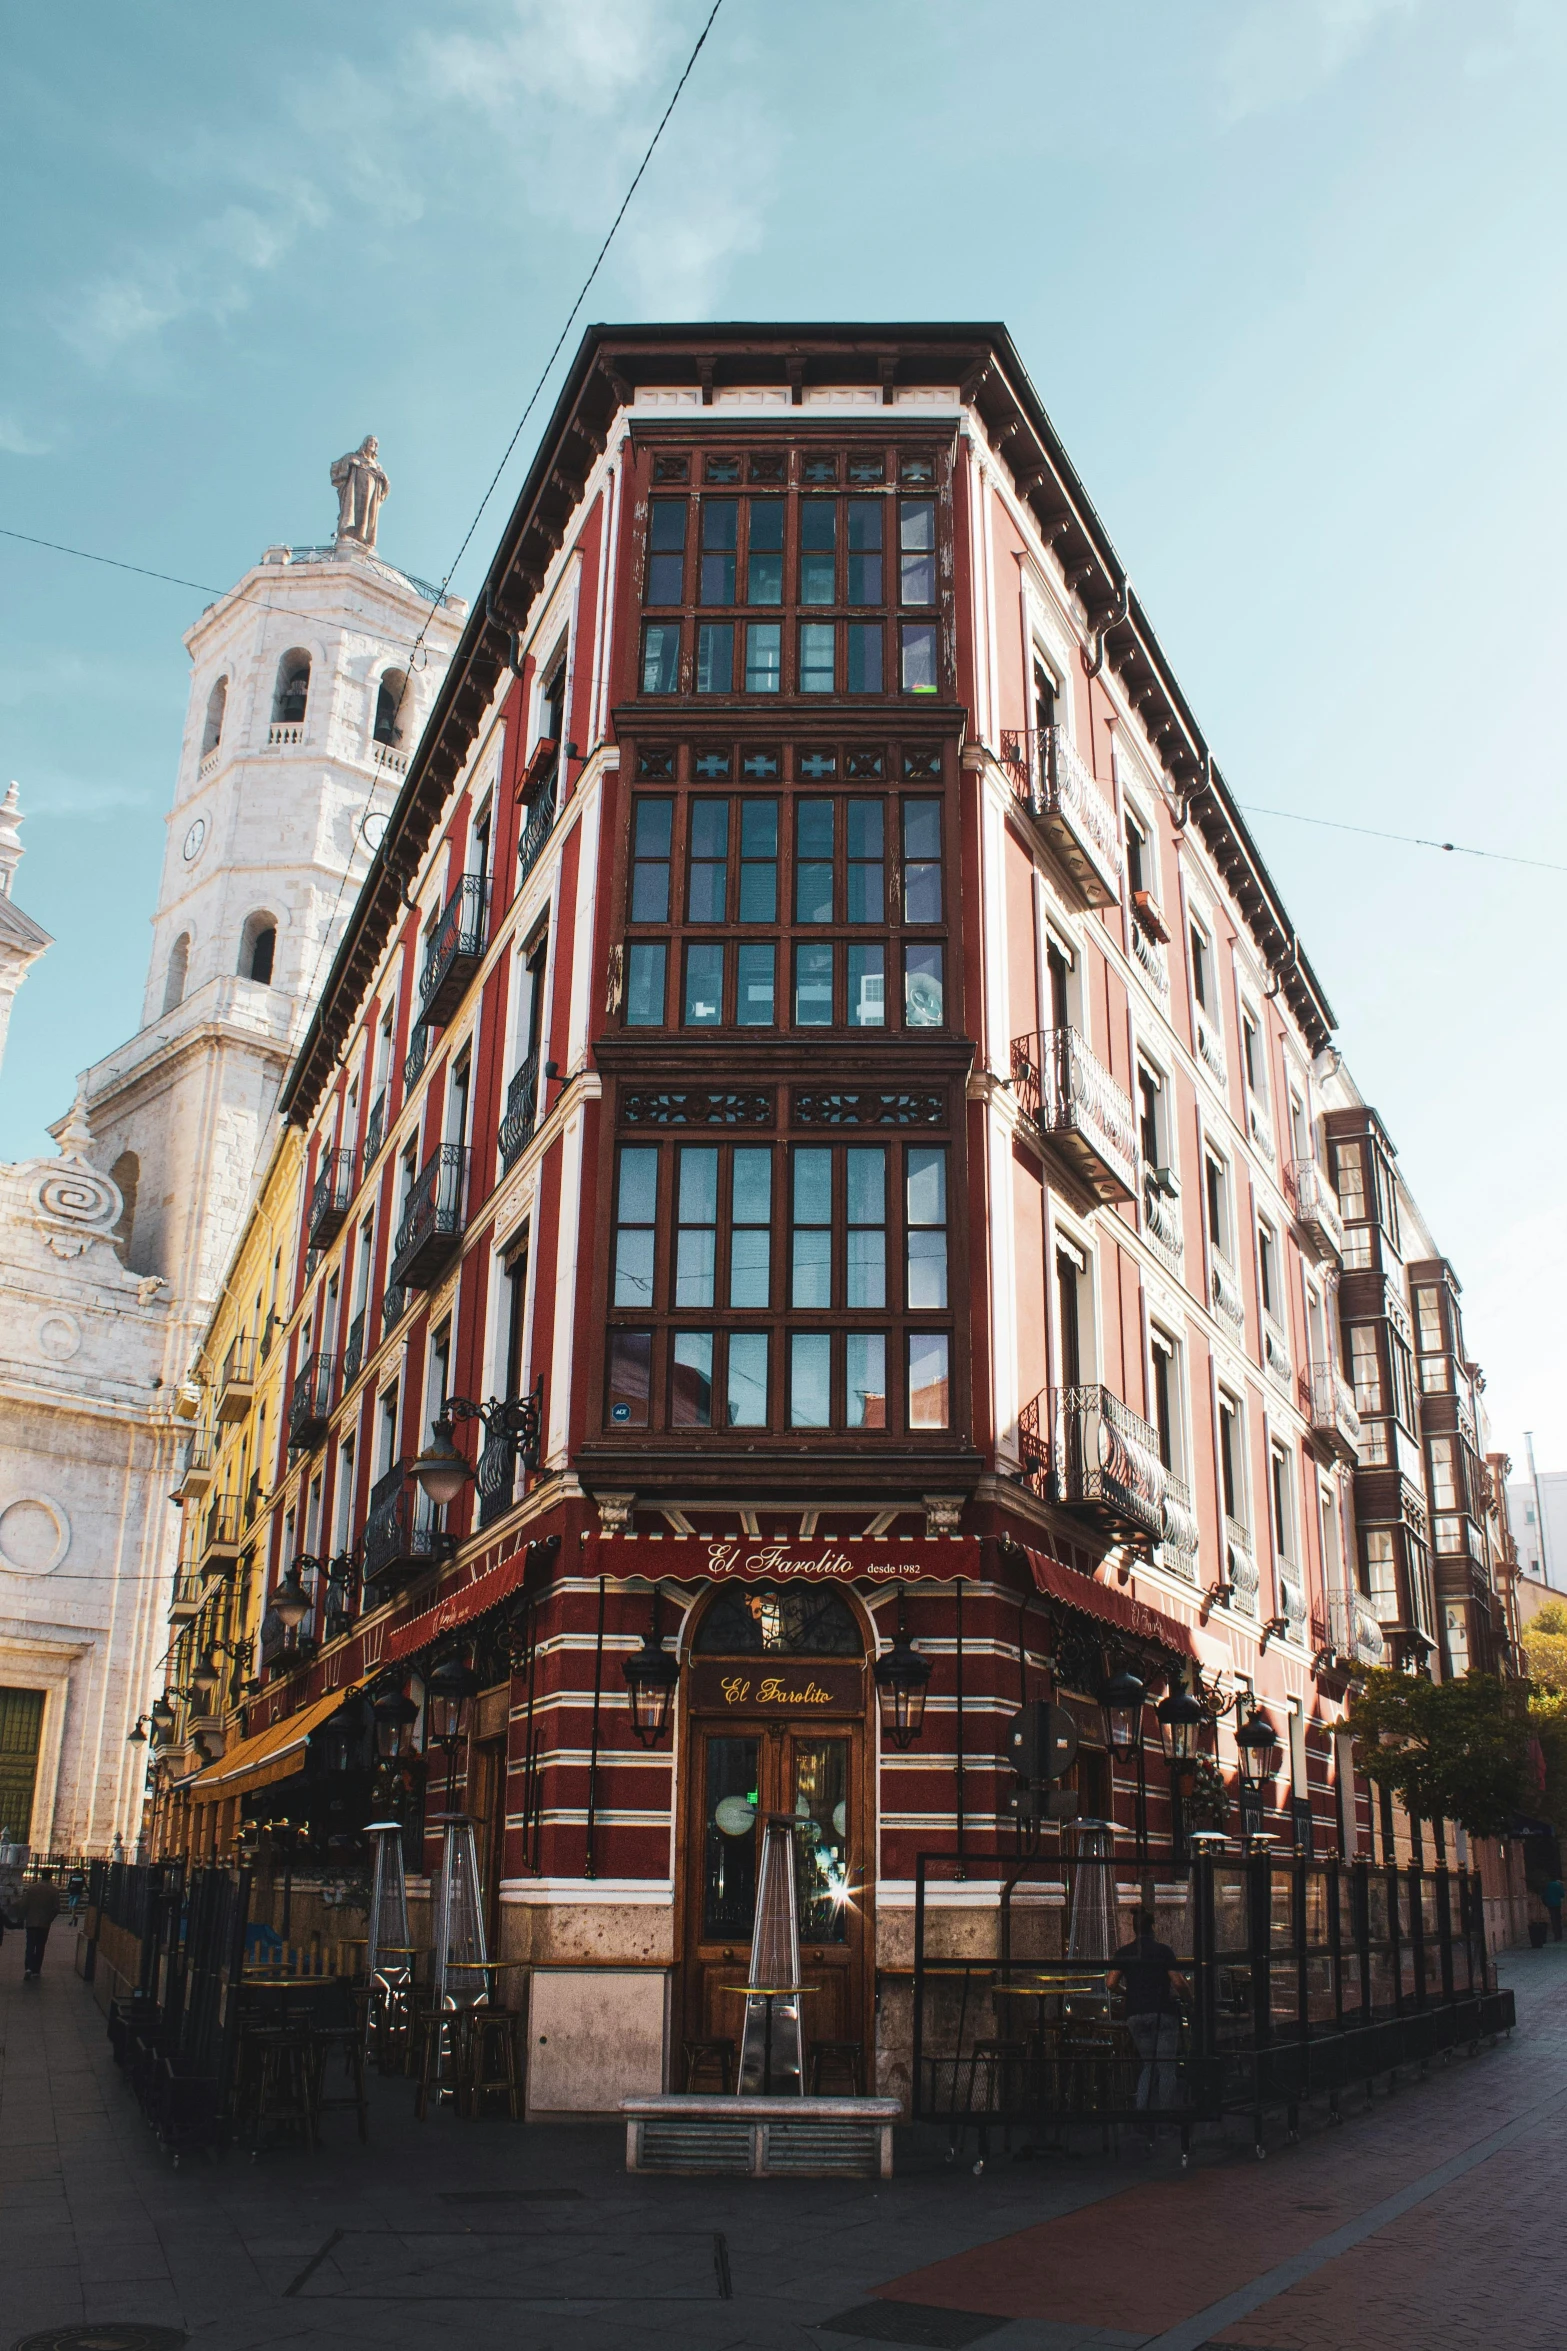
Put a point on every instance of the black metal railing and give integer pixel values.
(431, 1230)
(340, 1609)
(495, 1475)
(538, 823)
(1069, 806)
(522, 1103)
(175, 2031)
(403, 1537)
(416, 1056)
(1083, 1449)
(331, 1197)
(1078, 1109)
(310, 1401)
(375, 1126)
(354, 1347)
(455, 951)
(394, 1305)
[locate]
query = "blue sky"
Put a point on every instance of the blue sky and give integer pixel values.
(1287, 273)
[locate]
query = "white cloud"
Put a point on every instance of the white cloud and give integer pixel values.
(16, 441)
(1515, 1306)
(211, 273)
(1282, 50)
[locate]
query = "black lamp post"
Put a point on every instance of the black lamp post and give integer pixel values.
(1121, 1704)
(1257, 1746)
(902, 1679)
(1182, 1720)
(447, 1690)
(393, 1710)
(651, 1677)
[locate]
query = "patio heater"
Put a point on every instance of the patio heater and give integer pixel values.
(771, 2058)
(1093, 1932)
(389, 1956)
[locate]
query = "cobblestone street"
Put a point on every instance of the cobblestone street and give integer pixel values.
(1406, 2230)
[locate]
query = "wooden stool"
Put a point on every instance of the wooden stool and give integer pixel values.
(491, 2063)
(840, 2061)
(703, 2059)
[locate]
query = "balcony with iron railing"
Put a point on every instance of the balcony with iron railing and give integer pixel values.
(219, 1544)
(340, 1602)
(1210, 1048)
(1068, 807)
(310, 1402)
(375, 1128)
(200, 1468)
(1348, 1635)
(1260, 1126)
(1162, 1215)
(187, 1597)
(394, 1305)
(539, 818)
(522, 1103)
(417, 1055)
(331, 1197)
(1224, 1294)
(1240, 1565)
(1085, 1451)
(1328, 1402)
(495, 1475)
(237, 1381)
(431, 1231)
(1314, 1205)
(1276, 1353)
(1179, 1542)
(354, 1347)
(455, 952)
(1078, 1111)
(403, 1538)
(1150, 951)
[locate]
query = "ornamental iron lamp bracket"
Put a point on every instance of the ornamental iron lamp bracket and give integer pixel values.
(442, 1471)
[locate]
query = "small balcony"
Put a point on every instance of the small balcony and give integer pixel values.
(1349, 1636)
(1178, 1545)
(1328, 1402)
(1068, 808)
(340, 1609)
(1210, 1048)
(394, 1305)
(495, 1475)
(522, 1104)
(1162, 1215)
(538, 824)
(375, 1128)
(218, 1550)
(200, 1469)
(1224, 1296)
(455, 951)
(283, 736)
(354, 1348)
(237, 1381)
(417, 1055)
(1078, 1110)
(403, 1538)
(331, 1197)
(1089, 1453)
(1315, 1209)
(430, 1234)
(1240, 1565)
(310, 1402)
(186, 1602)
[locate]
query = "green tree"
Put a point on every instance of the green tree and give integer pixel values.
(1463, 1750)
(1545, 1647)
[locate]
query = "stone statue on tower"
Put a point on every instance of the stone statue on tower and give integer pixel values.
(360, 485)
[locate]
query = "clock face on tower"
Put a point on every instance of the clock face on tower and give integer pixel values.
(194, 839)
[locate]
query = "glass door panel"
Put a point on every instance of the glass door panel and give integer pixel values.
(730, 1848)
(821, 1843)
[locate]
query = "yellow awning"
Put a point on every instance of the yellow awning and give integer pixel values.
(268, 1755)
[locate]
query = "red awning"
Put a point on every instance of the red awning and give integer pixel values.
(1110, 1606)
(454, 1608)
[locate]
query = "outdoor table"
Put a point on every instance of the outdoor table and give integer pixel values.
(480, 1967)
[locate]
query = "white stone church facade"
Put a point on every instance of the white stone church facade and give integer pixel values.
(310, 681)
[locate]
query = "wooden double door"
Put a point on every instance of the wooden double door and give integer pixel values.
(741, 1770)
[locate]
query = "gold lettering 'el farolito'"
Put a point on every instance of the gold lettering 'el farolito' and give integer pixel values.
(776, 1693)
(736, 1691)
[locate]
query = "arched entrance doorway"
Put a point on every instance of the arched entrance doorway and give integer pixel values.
(775, 1722)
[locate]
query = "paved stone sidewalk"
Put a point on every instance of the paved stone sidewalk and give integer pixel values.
(535, 2238)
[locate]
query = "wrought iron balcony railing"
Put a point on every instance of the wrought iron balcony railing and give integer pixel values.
(237, 1381)
(310, 1402)
(1224, 1293)
(331, 1197)
(1178, 1545)
(495, 1474)
(1210, 1047)
(1078, 1110)
(1152, 958)
(455, 952)
(186, 1600)
(394, 1305)
(375, 1127)
(522, 1103)
(1069, 808)
(354, 1347)
(200, 1469)
(431, 1231)
(538, 824)
(1162, 1220)
(1349, 1634)
(340, 1608)
(417, 1055)
(221, 1533)
(1086, 1451)
(1315, 1208)
(1328, 1402)
(403, 1538)
(1240, 1566)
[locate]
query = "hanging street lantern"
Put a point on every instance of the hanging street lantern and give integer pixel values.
(1257, 1743)
(162, 1718)
(291, 1602)
(440, 1469)
(447, 1689)
(651, 1677)
(392, 1711)
(1182, 1720)
(1121, 1704)
(137, 1737)
(205, 1675)
(902, 1679)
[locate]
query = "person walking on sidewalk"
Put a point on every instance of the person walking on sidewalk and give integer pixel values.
(1551, 1896)
(40, 1909)
(1146, 1969)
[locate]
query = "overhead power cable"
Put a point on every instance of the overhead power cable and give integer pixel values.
(1407, 840)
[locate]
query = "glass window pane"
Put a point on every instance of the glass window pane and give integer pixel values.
(764, 567)
(917, 550)
(867, 1176)
(654, 827)
(922, 861)
(919, 657)
(758, 828)
(865, 649)
(865, 1379)
(818, 664)
(704, 997)
(750, 1266)
(661, 657)
(695, 1251)
(813, 1185)
(638, 1197)
(665, 578)
(666, 531)
(634, 1267)
(758, 889)
(747, 1400)
(810, 1380)
(691, 1387)
(729, 1853)
(927, 1270)
(865, 517)
(927, 1184)
(928, 1404)
(821, 1842)
(709, 828)
(811, 1270)
(719, 516)
(763, 657)
(755, 1005)
(818, 540)
(813, 861)
(812, 987)
(867, 829)
(867, 1268)
(698, 1183)
(645, 985)
(650, 890)
(923, 991)
(867, 987)
(629, 1378)
(715, 657)
(709, 870)
(753, 1186)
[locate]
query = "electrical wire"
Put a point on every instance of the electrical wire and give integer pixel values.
(1407, 840)
(532, 402)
